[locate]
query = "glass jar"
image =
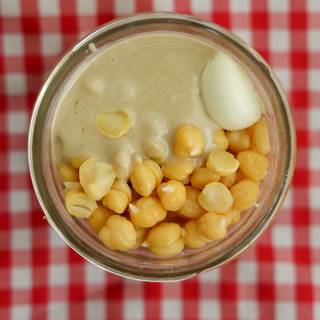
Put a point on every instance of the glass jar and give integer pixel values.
(140, 264)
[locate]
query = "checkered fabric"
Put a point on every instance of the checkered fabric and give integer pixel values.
(41, 278)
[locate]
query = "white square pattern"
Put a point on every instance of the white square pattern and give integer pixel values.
(18, 161)
(203, 6)
(17, 122)
(49, 8)
(314, 156)
(10, 8)
(212, 276)
(313, 39)
(58, 274)
(21, 278)
(95, 309)
(15, 83)
(124, 7)
(133, 309)
(288, 200)
(93, 275)
(21, 312)
(85, 7)
(21, 239)
(279, 40)
(314, 197)
(13, 44)
(209, 309)
(163, 5)
(247, 310)
(284, 76)
(282, 236)
(240, 6)
(284, 273)
(313, 5)
(314, 79)
(58, 310)
(315, 273)
(19, 201)
(285, 310)
(51, 44)
(278, 5)
(244, 34)
(246, 271)
(315, 236)
(171, 309)
(313, 118)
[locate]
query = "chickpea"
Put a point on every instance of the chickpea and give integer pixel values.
(123, 162)
(79, 204)
(260, 136)
(213, 226)
(155, 169)
(165, 239)
(142, 179)
(156, 149)
(222, 162)
(147, 212)
(177, 169)
(172, 195)
(76, 162)
(220, 140)
(229, 180)
(253, 164)
(186, 181)
(192, 237)
(233, 216)
(245, 194)
(96, 178)
(99, 218)
(121, 185)
(118, 233)
(191, 208)
(239, 140)
(141, 236)
(68, 173)
(116, 201)
(72, 186)
(216, 197)
(188, 141)
(203, 176)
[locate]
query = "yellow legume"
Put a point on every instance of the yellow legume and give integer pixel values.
(222, 162)
(229, 180)
(142, 179)
(79, 204)
(203, 176)
(99, 218)
(155, 169)
(191, 208)
(68, 173)
(220, 140)
(260, 136)
(76, 162)
(178, 169)
(239, 140)
(213, 226)
(192, 237)
(172, 195)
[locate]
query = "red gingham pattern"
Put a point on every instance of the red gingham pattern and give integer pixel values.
(41, 278)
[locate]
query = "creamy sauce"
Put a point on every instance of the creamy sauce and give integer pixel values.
(154, 77)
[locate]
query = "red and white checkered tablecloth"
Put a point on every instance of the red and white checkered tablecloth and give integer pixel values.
(41, 278)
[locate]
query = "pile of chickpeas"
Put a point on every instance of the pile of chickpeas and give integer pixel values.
(174, 203)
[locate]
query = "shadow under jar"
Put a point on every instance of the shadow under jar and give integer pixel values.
(141, 264)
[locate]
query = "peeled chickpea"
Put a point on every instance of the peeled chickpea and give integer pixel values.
(213, 226)
(253, 164)
(229, 180)
(141, 236)
(123, 162)
(232, 216)
(178, 169)
(203, 176)
(142, 179)
(155, 169)
(68, 173)
(156, 149)
(192, 237)
(172, 195)
(79, 204)
(220, 140)
(188, 141)
(72, 186)
(245, 194)
(96, 178)
(239, 140)
(165, 239)
(191, 208)
(222, 162)
(99, 218)
(147, 212)
(186, 181)
(121, 185)
(260, 136)
(216, 197)
(76, 162)
(118, 233)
